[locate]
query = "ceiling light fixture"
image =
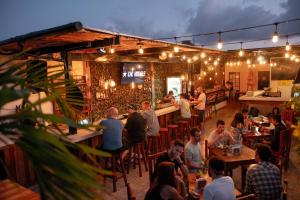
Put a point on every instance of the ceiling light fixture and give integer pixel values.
(287, 45)
(241, 52)
(275, 37)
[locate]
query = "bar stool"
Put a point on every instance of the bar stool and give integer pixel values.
(195, 120)
(183, 128)
(208, 112)
(173, 131)
(139, 150)
(115, 156)
(165, 138)
(154, 144)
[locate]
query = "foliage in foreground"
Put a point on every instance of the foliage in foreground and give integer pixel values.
(60, 174)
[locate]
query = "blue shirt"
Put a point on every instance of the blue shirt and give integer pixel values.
(112, 134)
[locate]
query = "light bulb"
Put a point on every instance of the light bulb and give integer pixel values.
(163, 54)
(132, 85)
(141, 50)
(248, 62)
(220, 45)
(205, 62)
(210, 78)
(297, 60)
(286, 55)
(195, 58)
(112, 83)
(190, 83)
(182, 77)
(287, 46)
(112, 50)
(170, 55)
(209, 59)
(176, 49)
(189, 60)
(241, 52)
(275, 37)
(183, 57)
(216, 63)
(202, 55)
(204, 73)
(216, 73)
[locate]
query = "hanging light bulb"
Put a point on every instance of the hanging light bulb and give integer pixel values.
(164, 54)
(286, 55)
(216, 63)
(275, 37)
(220, 44)
(176, 49)
(183, 57)
(189, 60)
(195, 58)
(297, 60)
(112, 50)
(170, 55)
(205, 62)
(112, 83)
(287, 45)
(248, 62)
(202, 55)
(241, 52)
(141, 50)
(204, 73)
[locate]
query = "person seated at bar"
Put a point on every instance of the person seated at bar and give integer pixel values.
(288, 115)
(170, 97)
(222, 187)
(112, 132)
(184, 105)
(192, 151)
(135, 126)
(219, 137)
(263, 179)
(152, 124)
(175, 155)
(165, 184)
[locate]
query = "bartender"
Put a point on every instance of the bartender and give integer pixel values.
(170, 97)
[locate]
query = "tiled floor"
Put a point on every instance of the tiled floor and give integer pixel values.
(141, 184)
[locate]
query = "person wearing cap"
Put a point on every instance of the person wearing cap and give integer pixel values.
(135, 126)
(222, 187)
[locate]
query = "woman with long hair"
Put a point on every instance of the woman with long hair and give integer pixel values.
(165, 184)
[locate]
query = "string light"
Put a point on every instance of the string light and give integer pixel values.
(220, 44)
(241, 52)
(164, 54)
(112, 50)
(176, 49)
(287, 45)
(286, 55)
(189, 60)
(195, 58)
(297, 60)
(183, 57)
(202, 55)
(141, 50)
(170, 55)
(275, 37)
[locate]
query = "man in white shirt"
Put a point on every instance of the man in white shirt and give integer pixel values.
(192, 151)
(222, 187)
(200, 105)
(184, 105)
(219, 136)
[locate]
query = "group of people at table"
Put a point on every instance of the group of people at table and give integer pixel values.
(169, 180)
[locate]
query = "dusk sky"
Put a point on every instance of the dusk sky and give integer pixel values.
(155, 18)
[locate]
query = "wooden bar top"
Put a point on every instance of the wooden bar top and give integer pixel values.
(13, 191)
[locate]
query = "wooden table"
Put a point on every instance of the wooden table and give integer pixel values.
(246, 157)
(192, 182)
(13, 191)
(254, 137)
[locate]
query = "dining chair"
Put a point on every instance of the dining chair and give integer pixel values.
(283, 154)
(152, 159)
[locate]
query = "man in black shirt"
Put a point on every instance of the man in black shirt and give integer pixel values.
(135, 126)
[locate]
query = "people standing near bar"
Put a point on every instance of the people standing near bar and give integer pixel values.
(184, 106)
(135, 126)
(201, 101)
(222, 187)
(152, 124)
(192, 151)
(263, 179)
(112, 132)
(220, 136)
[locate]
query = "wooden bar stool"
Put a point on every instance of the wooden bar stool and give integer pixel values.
(173, 131)
(208, 112)
(139, 153)
(114, 158)
(165, 138)
(183, 127)
(195, 120)
(154, 144)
